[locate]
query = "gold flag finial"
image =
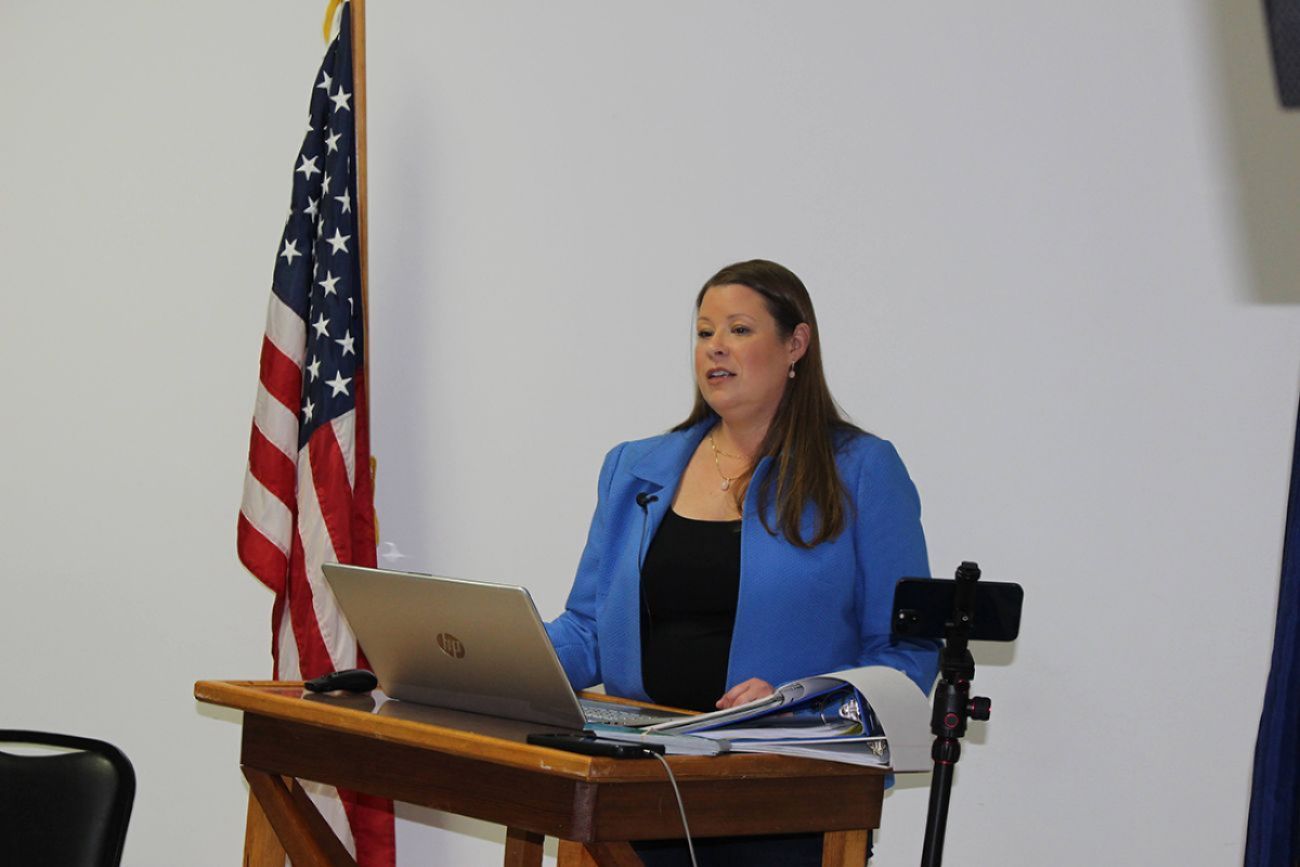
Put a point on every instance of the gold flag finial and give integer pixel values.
(329, 18)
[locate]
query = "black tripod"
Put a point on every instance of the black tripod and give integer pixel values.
(953, 706)
(952, 610)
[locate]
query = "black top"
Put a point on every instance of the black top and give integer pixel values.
(689, 585)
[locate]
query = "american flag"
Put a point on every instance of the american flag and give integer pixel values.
(308, 497)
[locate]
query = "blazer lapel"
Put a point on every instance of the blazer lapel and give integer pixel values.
(660, 470)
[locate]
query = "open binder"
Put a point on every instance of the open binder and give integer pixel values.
(865, 716)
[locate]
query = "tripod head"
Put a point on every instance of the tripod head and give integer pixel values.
(956, 670)
(958, 611)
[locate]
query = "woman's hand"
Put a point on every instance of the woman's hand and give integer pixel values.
(745, 692)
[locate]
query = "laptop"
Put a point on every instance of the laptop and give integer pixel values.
(466, 645)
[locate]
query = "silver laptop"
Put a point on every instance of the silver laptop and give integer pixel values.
(468, 645)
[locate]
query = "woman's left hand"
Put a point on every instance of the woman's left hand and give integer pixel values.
(745, 692)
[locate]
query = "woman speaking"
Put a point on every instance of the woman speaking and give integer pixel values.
(757, 542)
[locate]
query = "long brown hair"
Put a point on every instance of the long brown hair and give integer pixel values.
(802, 437)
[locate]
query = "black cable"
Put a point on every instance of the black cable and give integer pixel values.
(644, 499)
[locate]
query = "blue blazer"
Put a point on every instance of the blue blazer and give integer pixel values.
(800, 612)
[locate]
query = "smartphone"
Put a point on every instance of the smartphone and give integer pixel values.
(590, 745)
(922, 607)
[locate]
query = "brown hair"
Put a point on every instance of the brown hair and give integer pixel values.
(803, 435)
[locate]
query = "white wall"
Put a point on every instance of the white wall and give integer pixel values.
(1052, 250)
(146, 152)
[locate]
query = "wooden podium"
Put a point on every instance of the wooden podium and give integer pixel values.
(479, 766)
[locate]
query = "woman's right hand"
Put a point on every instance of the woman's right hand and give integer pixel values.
(743, 693)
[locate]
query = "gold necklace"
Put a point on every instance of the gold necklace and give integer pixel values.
(726, 480)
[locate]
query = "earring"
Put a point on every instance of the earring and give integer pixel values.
(792, 371)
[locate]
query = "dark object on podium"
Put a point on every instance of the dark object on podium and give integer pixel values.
(1284, 37)
(348, 680)
(956, 611)
(66, 808)
(588, 744)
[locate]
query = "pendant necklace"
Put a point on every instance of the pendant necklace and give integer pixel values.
(726, 480)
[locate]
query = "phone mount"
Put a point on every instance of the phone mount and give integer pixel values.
(993, 616)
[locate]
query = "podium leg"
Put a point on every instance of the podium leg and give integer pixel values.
(523, 848)
(261, 847)
(574, 854)
(844, 849)
(303, 832)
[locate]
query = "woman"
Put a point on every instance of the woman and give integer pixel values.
(757, 542)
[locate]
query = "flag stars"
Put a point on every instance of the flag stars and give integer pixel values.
(308, 167)
(339, 242)
(315, 266)
(340, 384)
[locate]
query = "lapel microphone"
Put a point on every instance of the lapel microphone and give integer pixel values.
(644, 499)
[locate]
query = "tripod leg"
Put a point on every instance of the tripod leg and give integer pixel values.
(946, 751)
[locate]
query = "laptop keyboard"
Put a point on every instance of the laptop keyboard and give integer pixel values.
(605, 713)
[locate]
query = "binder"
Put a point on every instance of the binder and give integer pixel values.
(872, 716)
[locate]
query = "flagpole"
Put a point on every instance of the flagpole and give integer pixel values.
(363, 202)
(359, 89)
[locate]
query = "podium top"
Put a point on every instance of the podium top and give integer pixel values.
(490, 739)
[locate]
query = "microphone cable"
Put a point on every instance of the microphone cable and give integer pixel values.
(644, 499)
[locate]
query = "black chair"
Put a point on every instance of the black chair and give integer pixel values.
(69, 809)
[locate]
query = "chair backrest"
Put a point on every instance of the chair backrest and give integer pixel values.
(67, 808)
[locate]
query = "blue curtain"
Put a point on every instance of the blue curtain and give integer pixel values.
(1271, 835)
